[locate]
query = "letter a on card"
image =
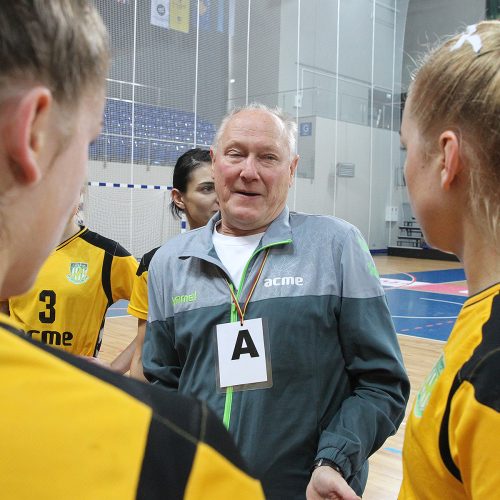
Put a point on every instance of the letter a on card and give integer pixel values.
(242, 355)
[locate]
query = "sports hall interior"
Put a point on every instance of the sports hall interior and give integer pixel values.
(341, 68)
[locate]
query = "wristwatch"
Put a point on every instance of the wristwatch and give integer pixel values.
(325, 461)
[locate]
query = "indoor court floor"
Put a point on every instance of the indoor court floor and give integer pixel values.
(424, 296)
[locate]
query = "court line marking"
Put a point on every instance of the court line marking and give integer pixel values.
(412, 280)
(426, 317)
(420, 338)
(446, 301)
(393, 450)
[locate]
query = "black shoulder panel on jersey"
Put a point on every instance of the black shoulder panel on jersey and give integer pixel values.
(167, 462)
(109, 246)
(444, 442)
(216, 436)
(10, 328)
(165, 472)
(482, 370)
(486, 380)
(145, 261)
(106, 277)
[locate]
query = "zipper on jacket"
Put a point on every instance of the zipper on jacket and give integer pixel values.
(234, 317)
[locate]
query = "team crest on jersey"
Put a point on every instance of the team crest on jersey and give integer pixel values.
(425, 392)
(78, 273)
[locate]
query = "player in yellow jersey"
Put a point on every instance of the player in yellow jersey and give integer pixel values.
(70, 429)
(451, 130)
(193, 195)
(82, 277)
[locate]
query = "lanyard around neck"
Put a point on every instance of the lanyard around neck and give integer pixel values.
(241, 313)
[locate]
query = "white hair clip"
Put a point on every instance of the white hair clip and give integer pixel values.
(468, 36)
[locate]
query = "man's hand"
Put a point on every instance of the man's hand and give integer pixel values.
(326, 483)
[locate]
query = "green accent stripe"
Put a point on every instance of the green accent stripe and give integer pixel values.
(227, 407)
(244, 275)
(234, 317)
(229, 392)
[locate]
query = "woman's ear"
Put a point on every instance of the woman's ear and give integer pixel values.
(27, 133)
(212, 157)
(451, 163)
(177, 199)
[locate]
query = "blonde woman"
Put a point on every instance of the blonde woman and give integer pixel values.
(70, 428)
(451, 130)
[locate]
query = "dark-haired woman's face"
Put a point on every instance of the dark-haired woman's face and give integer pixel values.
(200, 200)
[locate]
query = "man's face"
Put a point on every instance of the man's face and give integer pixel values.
(253, 170)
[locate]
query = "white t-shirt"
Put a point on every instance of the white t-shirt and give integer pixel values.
(234, 252)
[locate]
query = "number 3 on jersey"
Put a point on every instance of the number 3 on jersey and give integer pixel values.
(48, 297)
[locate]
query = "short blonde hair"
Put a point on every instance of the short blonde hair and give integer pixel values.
(62, 44)
(457, 88)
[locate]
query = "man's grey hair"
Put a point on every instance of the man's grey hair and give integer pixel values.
(289, 125)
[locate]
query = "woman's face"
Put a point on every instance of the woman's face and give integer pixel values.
(431, 207)
(46, 204)
(199, 202)
(415, 165)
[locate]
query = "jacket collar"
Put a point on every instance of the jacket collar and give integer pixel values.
(279, 231)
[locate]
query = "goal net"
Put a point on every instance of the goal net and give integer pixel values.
(137, 216)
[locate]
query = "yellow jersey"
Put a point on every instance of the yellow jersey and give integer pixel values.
(452, 438)
(71, 429)
(67, 304)
(138, 305)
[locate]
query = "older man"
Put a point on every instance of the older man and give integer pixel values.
(278, 320)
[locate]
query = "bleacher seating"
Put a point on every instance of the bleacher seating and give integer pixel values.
(160, 135)
(410, 234)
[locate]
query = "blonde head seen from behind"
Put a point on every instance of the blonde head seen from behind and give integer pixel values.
(52, 82)
(61, 44)
(458, 88)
